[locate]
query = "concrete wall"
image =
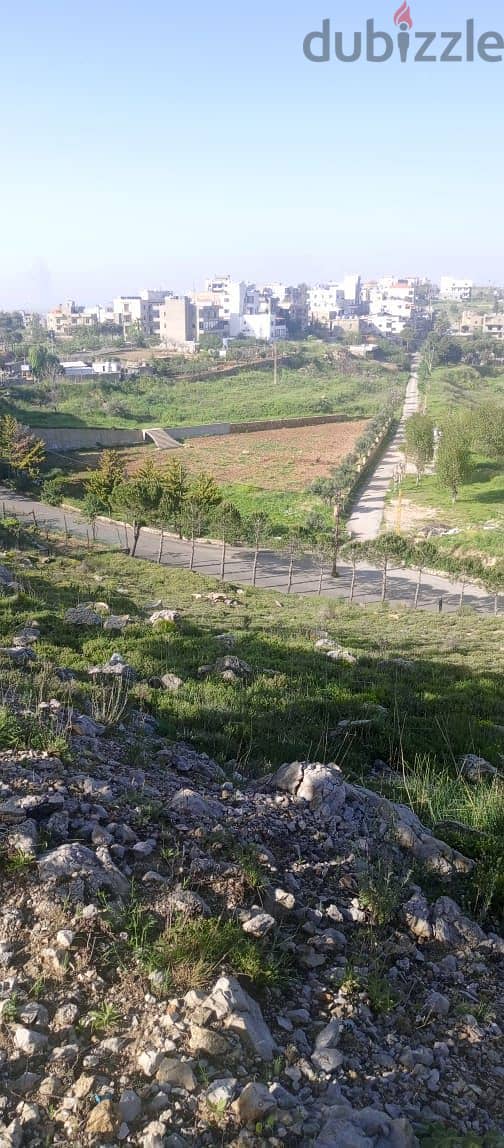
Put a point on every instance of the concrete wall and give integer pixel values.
(208, 431)
(87, 438)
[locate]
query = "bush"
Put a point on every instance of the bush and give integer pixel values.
(53, 488)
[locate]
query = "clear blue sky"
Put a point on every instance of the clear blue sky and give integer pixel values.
(152, 144)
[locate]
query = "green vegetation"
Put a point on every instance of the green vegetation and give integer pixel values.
(317, 380)
(467, 491)
(423, 718)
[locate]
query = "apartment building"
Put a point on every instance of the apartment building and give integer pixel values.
(177, 322)
(456, 290)
(472, 323)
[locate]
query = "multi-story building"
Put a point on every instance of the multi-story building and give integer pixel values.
(177, 322)
(472, 323)
(456, 290)
(64, 320)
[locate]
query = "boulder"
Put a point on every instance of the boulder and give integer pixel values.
(254, 1104)
(71, 861)
(229, 1003)
(83, 616)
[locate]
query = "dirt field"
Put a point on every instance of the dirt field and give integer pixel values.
(287, 460)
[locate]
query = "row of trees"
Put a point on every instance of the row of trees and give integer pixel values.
(461, 434)
(151, 497)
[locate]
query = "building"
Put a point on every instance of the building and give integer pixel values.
(352, 289)
(456, 290)
(472, 323)
(107, 367)
(65, 319)
(177, 322)
(77, 370)
(263, 325)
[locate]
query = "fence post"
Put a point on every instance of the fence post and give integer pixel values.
(160, 550)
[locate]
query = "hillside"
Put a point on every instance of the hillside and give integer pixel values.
(319, 382)
(251, 865)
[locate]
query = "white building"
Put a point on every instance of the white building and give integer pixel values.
(263, 325)
(457, 290)
(352, 289)
(77, 370)
(107, 367)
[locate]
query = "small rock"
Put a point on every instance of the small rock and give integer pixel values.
(254, 1104)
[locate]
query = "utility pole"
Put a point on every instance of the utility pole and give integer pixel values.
(275, 364)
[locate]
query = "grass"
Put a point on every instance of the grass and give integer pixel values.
(325, 381)
(189, 953)
(449, 705)
(104, 1019)
(478, 513)
(439, 1137)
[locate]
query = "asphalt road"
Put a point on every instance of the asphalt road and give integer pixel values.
(273, 570)
(366, 519)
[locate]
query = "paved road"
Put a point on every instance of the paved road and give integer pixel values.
(273, 567)
(366, 519)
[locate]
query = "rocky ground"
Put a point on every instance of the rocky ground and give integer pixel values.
(186, 959)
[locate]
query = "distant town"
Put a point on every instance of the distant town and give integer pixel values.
(228, 310)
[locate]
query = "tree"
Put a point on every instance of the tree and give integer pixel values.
(230, 526)
(386, 549)
(430, 356)
(21, 452)
(453, 465)
(202, 496)
(103, 483)
(53, 368)
(489, 430)
(140, 499)
(420, 442)
(174, 491)
(38, 359)
(260, 529)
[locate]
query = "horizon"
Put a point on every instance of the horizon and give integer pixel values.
(171, 144)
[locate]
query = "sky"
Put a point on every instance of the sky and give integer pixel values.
(156, 144)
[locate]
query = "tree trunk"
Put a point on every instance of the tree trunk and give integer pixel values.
(223, 560)
(384, 580)
(321, 581)
(352, 587)
(136, 538)
(93, 530)
(254, 568)
(160, 551)
(418, 588)
(291, 574)
(334, 571)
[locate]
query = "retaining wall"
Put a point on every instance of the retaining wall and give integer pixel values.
(87, 438)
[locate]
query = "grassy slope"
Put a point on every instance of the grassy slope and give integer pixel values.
(249, 395)
(480, 501)
(447, 704)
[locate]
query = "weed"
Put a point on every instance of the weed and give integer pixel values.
(379, 992)
(17, 863)
(10, 1010)
(104, 1019)
(191, 951)
(109, 702)
(382, 891)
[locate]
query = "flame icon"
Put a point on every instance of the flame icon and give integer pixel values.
(403, 17)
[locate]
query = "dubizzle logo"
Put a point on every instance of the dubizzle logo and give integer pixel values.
(462, 47)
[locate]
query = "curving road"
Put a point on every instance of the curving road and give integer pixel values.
(367, 517)
(273, 571)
